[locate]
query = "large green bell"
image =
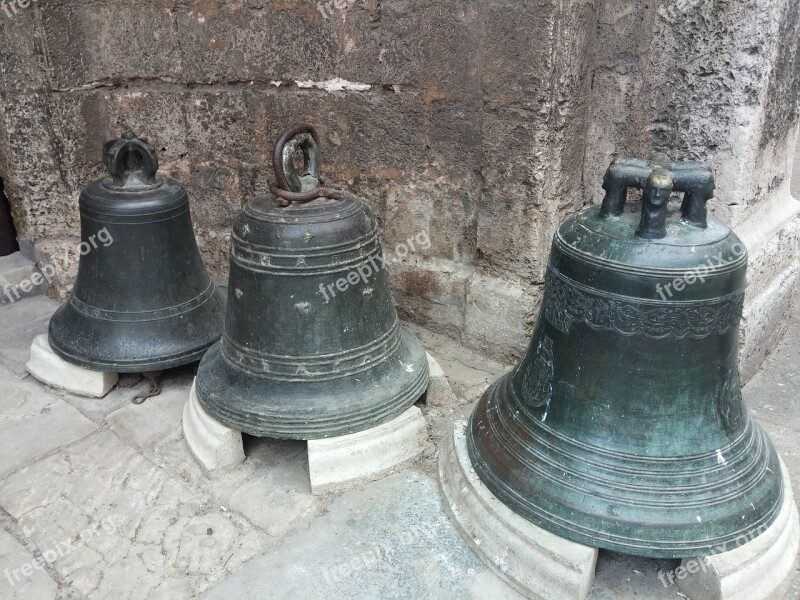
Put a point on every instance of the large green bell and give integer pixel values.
(623, 426)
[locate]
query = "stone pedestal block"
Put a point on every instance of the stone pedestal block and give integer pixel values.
(215, 446)
(340, 461)
(757, 568)
(535, 562)
(439, 391)
(46, 366)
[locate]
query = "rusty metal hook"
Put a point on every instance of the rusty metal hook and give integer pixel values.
(288, 186)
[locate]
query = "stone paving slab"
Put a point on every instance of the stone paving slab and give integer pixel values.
(271, 488)
(391, 539)
(156, 422)
(126, 529)
(33, 422)
(22, 322)
(23, 577)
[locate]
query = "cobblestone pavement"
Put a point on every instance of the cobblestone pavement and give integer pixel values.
(100, 499)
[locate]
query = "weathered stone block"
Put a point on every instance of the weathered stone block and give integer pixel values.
(499, 316)
(229, 126)
(518, 51)
(91, 42)
(22, 62)
(216, 447)
(431, 218)
(712, 108)
(367, 455)
(63, 256)
(533, 561)
(432, 46)
(771, 235)
(34, 183)
(46, 366)
(439, 391)
(236, 42)
(455, 137)
(756, 568)
(361, 32)
(765, 320)
(432, 292)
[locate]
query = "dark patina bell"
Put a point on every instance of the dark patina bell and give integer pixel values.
(623, 426)
(312, 346)
(143, 300)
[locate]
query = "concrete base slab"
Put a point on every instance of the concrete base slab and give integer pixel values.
(759, 569)
(46, 366)
(366, 455)
(215, 446)
(535, 562)
(439, 391)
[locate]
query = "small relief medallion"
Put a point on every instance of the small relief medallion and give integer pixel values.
(729, 399)
(537, 382)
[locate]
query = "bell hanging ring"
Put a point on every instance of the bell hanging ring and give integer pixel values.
(623, 426)
(312, 346)
(143, 300)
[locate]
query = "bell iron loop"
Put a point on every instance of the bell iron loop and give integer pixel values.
(301, 358)
(623, 426)
(143, 300)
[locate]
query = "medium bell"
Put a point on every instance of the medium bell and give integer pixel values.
(143, 300)
(623, 426)
(312, 346)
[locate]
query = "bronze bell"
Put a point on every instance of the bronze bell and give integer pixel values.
(623, 426)
(143, 300)
(312, 346)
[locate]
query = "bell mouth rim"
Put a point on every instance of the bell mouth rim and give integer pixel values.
(306, 424)
(605, 538)
(167, 361)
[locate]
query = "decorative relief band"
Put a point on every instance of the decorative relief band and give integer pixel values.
(315, 261)
(312, 368)
(566, 303)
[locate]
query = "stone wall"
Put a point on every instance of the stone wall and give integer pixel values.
(481, 123)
